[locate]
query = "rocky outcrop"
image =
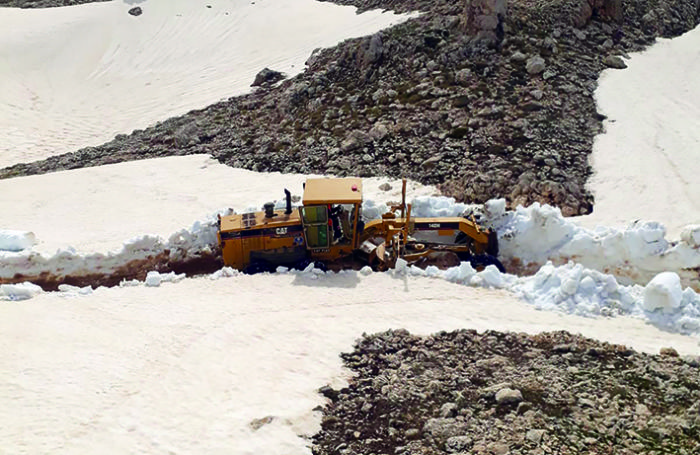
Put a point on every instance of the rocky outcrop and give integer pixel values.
(267, 77)
(493, 393)
(44, 3)
(484, 19)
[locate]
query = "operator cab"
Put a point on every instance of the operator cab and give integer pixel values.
(331, 215)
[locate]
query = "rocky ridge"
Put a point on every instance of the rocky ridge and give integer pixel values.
(498, 393)
(513, 118)
(44, 3)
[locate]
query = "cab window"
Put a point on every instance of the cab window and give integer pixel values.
(315, 214)
(315, 218)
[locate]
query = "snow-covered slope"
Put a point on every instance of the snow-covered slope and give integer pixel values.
(76, 76)
(646, 164)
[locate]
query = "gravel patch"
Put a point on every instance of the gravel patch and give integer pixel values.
(508, 393)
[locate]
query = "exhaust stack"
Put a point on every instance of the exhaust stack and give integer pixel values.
(288, 195)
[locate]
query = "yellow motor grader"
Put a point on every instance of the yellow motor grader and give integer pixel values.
(328, 229)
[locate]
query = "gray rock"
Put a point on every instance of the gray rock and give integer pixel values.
(535, 435)
(613, 61)
(463, 76)
(136, 11)
(518, 57)
(508, 396)
(256, 424)
(447, 409)
(374, 51)
(355, 140)
(412, 433)
(431, 162)
(535, 65)
(498, 448)
(458, 444)
(378, 132)
(267, 77)
(444, 428)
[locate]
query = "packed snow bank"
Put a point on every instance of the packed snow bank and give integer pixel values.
(532, 235)
(573, 289)
(16, 240)
(539, 233)
(182, 246)
(63, 65)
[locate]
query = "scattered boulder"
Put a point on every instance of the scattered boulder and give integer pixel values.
(355, 140)
(509, 396)
(518, 57)
(136, 11)
(458, 444)
(267, 77)
(535, 65)
(613, 61)
(378, 132)
(485, 18)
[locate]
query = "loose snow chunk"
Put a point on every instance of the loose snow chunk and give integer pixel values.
(19, 291)
(225, 272)
(16, 240)
(490, 277)
(154, 279)
(436, 206)
(461, 273)
(664, 292)
(495, 208)
(691, 235)
(366, 270)
(68, 289)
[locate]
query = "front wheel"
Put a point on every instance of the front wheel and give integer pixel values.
(304, 263)
(257, 267)
(483, 260)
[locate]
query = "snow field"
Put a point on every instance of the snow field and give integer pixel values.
(189, 366)
(77, 76)
(645, 164)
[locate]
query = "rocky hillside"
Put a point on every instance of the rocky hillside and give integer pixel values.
(513, 117)
(505, 393)
(44, 3)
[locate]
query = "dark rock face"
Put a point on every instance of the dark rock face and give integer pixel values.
(136, 11)
(499, 393)
(44, 3)
(425, 100)
(267, 77)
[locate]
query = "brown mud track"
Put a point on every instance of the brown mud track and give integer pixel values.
(132, 270)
